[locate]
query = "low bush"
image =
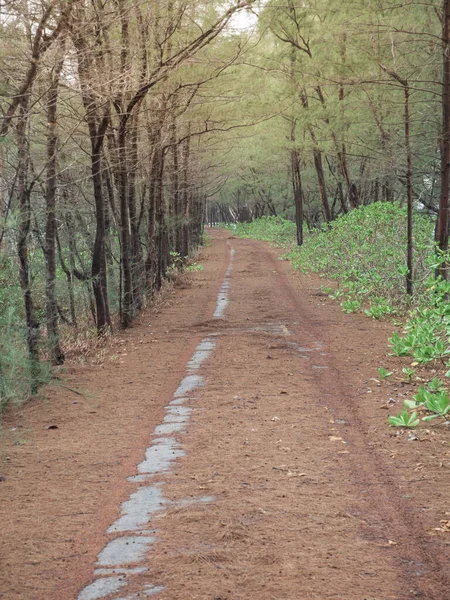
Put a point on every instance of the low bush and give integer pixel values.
(276, 230)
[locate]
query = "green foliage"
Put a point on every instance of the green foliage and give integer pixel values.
(351, 306)
(439, 404)
(176, 258)
(379, 308)
(404, 419)
(433, 399)
(195, 266)
(397, 345)
(436, 385)
(17, 375)
(426, 335)
(366, 115)
(206, 240)
(14, 374)
(365, 252)
(411, 404)
(383, 373)
(277, 230)
(408, 372)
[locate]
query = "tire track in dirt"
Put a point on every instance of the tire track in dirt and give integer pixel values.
(396, 512)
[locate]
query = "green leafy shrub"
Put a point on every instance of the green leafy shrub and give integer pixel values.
(364, 251)
(15, 369)
(434, 400)
(276, 230)
(195, 266)
(426, 334)
(404, 419)
(383, 373)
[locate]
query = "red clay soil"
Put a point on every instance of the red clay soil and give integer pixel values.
(315, 496)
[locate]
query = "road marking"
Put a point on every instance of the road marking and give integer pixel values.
(131, 534)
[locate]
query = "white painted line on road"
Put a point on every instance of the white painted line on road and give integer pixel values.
(131, 534)
(224, 292)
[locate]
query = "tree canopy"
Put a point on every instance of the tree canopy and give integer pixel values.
(126, 125)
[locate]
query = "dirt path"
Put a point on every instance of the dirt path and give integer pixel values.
(269, 472)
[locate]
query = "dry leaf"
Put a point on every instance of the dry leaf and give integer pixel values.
(445, 525)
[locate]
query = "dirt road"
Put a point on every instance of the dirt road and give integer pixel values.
(232, 446)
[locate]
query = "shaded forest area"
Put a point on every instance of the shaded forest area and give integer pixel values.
(127, 124)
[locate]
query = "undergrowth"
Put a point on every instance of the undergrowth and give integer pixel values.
(15, 368)
(276, 230)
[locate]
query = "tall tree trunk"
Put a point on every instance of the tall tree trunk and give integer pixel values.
(341, 151)
(317, 153)
(297, 186)
(340, 193)
(136, 258)
(185, 197)
(352, 190)
(376, 190)
(69, 276)
(443, 217)
(126, 194)
(127, 304)
(161, 239)
(23, 194)
(407, 120)
(157, 235)
(98, 253)
(175, 181)
(321, 181)
(409, 185)
(51, 308)
(385, 138)
(153, 193)
(97, 125)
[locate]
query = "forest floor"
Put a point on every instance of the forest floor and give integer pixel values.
(270, 472)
